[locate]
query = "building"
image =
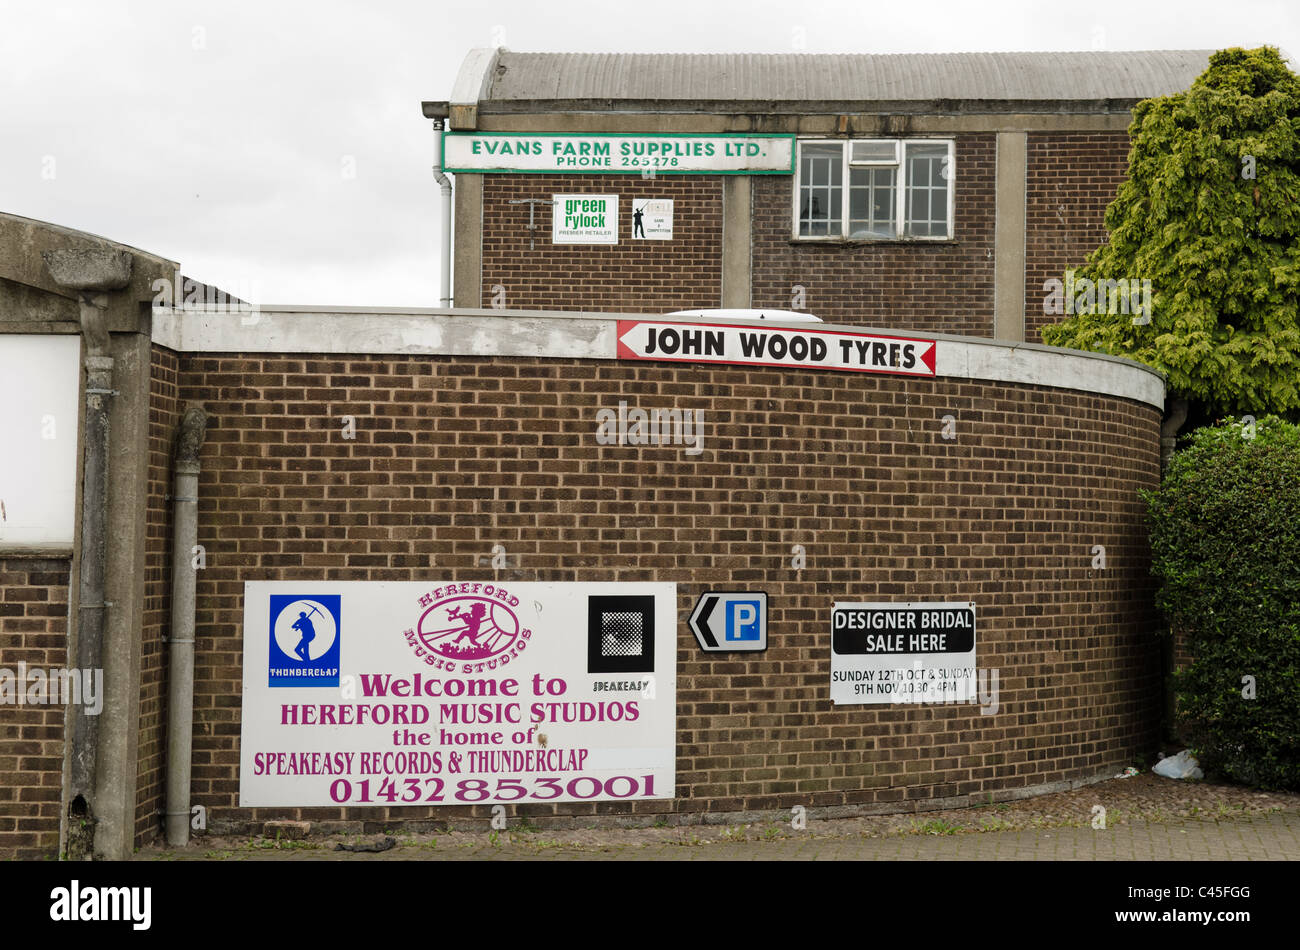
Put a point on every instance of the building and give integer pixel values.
(915, 192)
(180, 467)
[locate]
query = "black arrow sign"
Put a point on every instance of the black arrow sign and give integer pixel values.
(700, 620)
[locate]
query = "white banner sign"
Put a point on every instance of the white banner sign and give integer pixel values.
(668, 154)
(452, 693)
(773, 346)
(584, 219)
(903, 653)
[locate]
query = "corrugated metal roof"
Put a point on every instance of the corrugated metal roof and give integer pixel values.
(738, 77)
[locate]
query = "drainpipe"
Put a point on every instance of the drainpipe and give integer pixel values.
(1168, 442)
(91, 607)
(444, 279)
(180, 676)
(1169, 430)
(91, 272)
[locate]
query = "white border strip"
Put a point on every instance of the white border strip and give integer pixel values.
(595, 336)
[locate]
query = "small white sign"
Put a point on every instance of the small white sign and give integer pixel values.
(903, 653)
(584, 219)
(652, 219)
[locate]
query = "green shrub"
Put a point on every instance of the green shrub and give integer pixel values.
(1225, 544)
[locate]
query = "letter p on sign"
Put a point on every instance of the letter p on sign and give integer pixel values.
(742, 620)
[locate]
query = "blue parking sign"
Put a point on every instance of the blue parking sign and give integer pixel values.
(743, 619)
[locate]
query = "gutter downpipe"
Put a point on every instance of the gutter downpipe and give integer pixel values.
(444, 279)
(92, 273)
(1169, 430)
(1177, 416)
(180, 675)
(91, 607)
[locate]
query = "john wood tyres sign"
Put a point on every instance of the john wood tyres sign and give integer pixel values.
(775, 346)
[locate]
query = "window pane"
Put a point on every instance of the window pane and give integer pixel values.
(820, 189)
(874, 152)
(871, 202)
(927, 190)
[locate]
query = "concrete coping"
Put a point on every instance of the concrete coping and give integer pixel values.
(35, 550)
(585, 335)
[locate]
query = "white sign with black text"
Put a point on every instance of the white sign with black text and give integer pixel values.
(903, 653)
(652, 219)
(800, 348)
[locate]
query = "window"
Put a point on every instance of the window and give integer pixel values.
(874, 190)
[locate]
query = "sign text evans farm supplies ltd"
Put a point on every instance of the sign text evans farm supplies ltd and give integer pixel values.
(738, 153)
(772, 346)
(440, 693)
(903, 653)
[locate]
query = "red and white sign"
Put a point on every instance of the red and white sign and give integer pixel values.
(775, 346)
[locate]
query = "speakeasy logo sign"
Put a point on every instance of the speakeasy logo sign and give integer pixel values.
(461, 692)
(773, 346)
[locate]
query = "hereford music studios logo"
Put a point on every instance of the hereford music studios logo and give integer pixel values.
(305, 637)
(468, 622)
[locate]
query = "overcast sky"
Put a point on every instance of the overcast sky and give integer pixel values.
(221, 134)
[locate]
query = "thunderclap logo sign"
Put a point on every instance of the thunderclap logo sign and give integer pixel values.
(304, 641)
(465, 692)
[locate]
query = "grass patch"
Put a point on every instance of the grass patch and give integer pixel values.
(937, 826)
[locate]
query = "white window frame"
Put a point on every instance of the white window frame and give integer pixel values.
(900, 194)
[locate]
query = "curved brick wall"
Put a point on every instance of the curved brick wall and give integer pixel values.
(455, 454)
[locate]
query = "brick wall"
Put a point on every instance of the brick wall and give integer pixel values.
(933, 287)
(1071, 179)
(633, 276)
(454, 455)
(163, 419)
(34, 631)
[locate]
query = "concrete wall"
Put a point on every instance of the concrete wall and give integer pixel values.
(44, 630)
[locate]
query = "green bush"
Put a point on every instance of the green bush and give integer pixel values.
(1225, 544)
